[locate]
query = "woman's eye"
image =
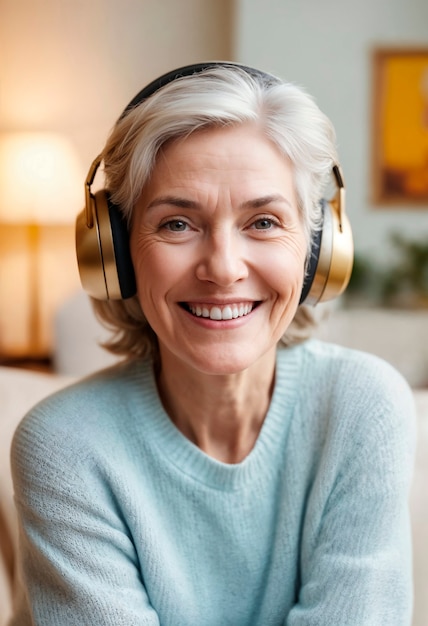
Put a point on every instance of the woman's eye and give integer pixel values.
(264, 223)
(176, 226)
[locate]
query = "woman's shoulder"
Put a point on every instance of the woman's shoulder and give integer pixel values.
(348, 366)
(354, 391)
(354, 408)
(100, 390)
(93, 408)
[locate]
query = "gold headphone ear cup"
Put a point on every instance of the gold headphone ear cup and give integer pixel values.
(335, 258)
(342, 258)
(89, 254)
(103, 254)
(95, 251)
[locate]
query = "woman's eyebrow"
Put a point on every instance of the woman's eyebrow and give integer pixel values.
(181, 203)
(257, 203)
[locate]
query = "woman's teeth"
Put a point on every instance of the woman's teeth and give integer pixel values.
(228, 312)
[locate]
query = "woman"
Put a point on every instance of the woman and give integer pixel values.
(230, 470)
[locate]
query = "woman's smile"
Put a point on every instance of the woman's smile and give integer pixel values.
(220, 312)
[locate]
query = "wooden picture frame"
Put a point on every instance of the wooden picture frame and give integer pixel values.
(400, 126)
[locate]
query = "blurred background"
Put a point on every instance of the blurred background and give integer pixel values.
(68, 68)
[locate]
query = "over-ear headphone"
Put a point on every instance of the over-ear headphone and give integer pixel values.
(102, 240)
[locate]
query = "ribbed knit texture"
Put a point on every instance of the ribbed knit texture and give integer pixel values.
(126, 522)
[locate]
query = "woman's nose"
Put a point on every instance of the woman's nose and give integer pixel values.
(222, 259)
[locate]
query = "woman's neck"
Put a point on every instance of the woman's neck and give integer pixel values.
(221, 414)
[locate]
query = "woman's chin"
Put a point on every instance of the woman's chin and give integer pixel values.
(219, 362)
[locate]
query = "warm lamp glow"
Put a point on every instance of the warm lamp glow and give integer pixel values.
(41, 186)
(41, 181)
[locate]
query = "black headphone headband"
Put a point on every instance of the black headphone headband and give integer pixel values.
(102, 240)
(188, 70)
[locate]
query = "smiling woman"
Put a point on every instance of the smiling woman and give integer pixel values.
(230, 470)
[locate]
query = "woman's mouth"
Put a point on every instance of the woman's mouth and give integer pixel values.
(223, 312)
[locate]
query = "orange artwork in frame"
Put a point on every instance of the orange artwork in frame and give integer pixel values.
(400, 126)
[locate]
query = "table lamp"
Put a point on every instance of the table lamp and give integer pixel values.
(40, 184)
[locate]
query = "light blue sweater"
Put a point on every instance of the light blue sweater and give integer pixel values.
(124, 521)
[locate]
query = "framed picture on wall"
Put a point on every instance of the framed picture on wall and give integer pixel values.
(400, 126)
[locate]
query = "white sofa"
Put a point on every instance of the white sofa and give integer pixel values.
(20, 389)
(397, 335)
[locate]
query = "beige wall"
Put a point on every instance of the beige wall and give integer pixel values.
(71, 67)
(74, 65)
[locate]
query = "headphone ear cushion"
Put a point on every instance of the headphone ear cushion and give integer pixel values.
(122, 252)
(311, 269)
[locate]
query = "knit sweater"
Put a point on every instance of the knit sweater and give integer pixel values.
(124, 521)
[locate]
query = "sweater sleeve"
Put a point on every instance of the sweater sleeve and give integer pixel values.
(76, 552)
(356, 546)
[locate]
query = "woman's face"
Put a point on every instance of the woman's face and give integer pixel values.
(219, 249)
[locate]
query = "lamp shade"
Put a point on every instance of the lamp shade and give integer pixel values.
(41, 180)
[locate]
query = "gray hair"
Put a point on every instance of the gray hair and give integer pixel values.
(222, 95)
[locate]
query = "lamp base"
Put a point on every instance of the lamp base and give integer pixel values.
(36, 364)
